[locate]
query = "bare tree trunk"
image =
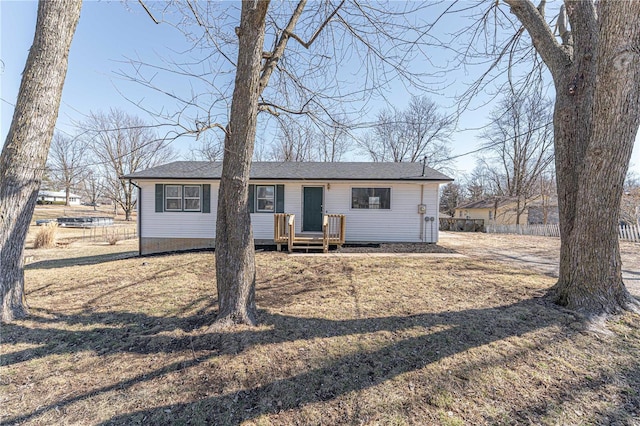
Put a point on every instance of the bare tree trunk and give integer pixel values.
(24, 155)
(605, 129)
(235, 253)
(596, 74)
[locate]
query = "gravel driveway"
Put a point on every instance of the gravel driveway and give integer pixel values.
(531, 252)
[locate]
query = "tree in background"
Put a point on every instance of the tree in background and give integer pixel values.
(67, 163)
(450, 198)
(479, 184)
(122, 144)
(334, 142)
(23, 158)
(294, 142)
(210, 148)
(519, 140)
(93, 187)
(411, 135)
(301, 139)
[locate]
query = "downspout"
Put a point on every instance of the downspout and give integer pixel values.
(139, 217)
(423, 229)
(422, 226)
(436, 219)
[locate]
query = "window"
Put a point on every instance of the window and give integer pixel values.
(183, 198)
(265, 198)
(371, 198)
(192, 198)
(179, 198)
(173, 198)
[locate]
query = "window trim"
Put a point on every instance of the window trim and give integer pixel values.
(273, 199)
(390, 188)
(183, 198)
(166, 198)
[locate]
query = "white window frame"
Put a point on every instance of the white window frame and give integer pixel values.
(369, 208)
(185, 198)
(257, 198)
(166, 198)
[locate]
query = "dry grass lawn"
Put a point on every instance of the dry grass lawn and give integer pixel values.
(342, 340)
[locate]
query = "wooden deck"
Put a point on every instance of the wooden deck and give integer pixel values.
(333, 233)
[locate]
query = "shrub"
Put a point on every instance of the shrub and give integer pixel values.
(113, 238)
(46, 236)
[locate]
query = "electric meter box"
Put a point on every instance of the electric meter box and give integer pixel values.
(422, 208)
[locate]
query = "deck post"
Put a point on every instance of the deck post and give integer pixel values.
(292, 232)
(325, 234)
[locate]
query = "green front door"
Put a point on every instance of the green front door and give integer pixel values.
(312, 209)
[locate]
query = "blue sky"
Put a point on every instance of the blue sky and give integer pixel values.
(108, 33)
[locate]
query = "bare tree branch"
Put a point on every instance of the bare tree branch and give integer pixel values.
(146, 9)
(553, 54)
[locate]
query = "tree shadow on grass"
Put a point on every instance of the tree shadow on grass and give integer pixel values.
(455, 332)
(80, 261)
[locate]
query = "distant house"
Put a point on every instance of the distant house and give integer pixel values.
(57, 197)
(381, 202)
(503, 211)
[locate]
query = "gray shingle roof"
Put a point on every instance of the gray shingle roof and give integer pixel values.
(295, 171)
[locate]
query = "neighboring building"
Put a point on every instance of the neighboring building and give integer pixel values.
(57, 197)
(503, 211)
(382, 202)
(500, 210)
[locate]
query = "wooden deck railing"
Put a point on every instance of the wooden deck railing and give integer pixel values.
(283, 223)
(334, 228)
(333, 232)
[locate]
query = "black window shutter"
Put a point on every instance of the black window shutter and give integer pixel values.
(279, 198)
(206, 198)
(159, 197)
(252, 198)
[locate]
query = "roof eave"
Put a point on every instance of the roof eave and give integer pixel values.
(432, 180)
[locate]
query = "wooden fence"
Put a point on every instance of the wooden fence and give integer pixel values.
(630, 233)
(627, 233)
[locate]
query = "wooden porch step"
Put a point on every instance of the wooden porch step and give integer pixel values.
(308, 247)
(309, 240)
(307, 243)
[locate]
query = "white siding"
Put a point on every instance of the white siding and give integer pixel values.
(402, 223)
(176, 224)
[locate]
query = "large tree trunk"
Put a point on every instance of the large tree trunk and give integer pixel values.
(23, 157)
(597, 152)
(235, 264)
(596, 75)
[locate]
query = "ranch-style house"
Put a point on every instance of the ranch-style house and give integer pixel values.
(296, 205)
